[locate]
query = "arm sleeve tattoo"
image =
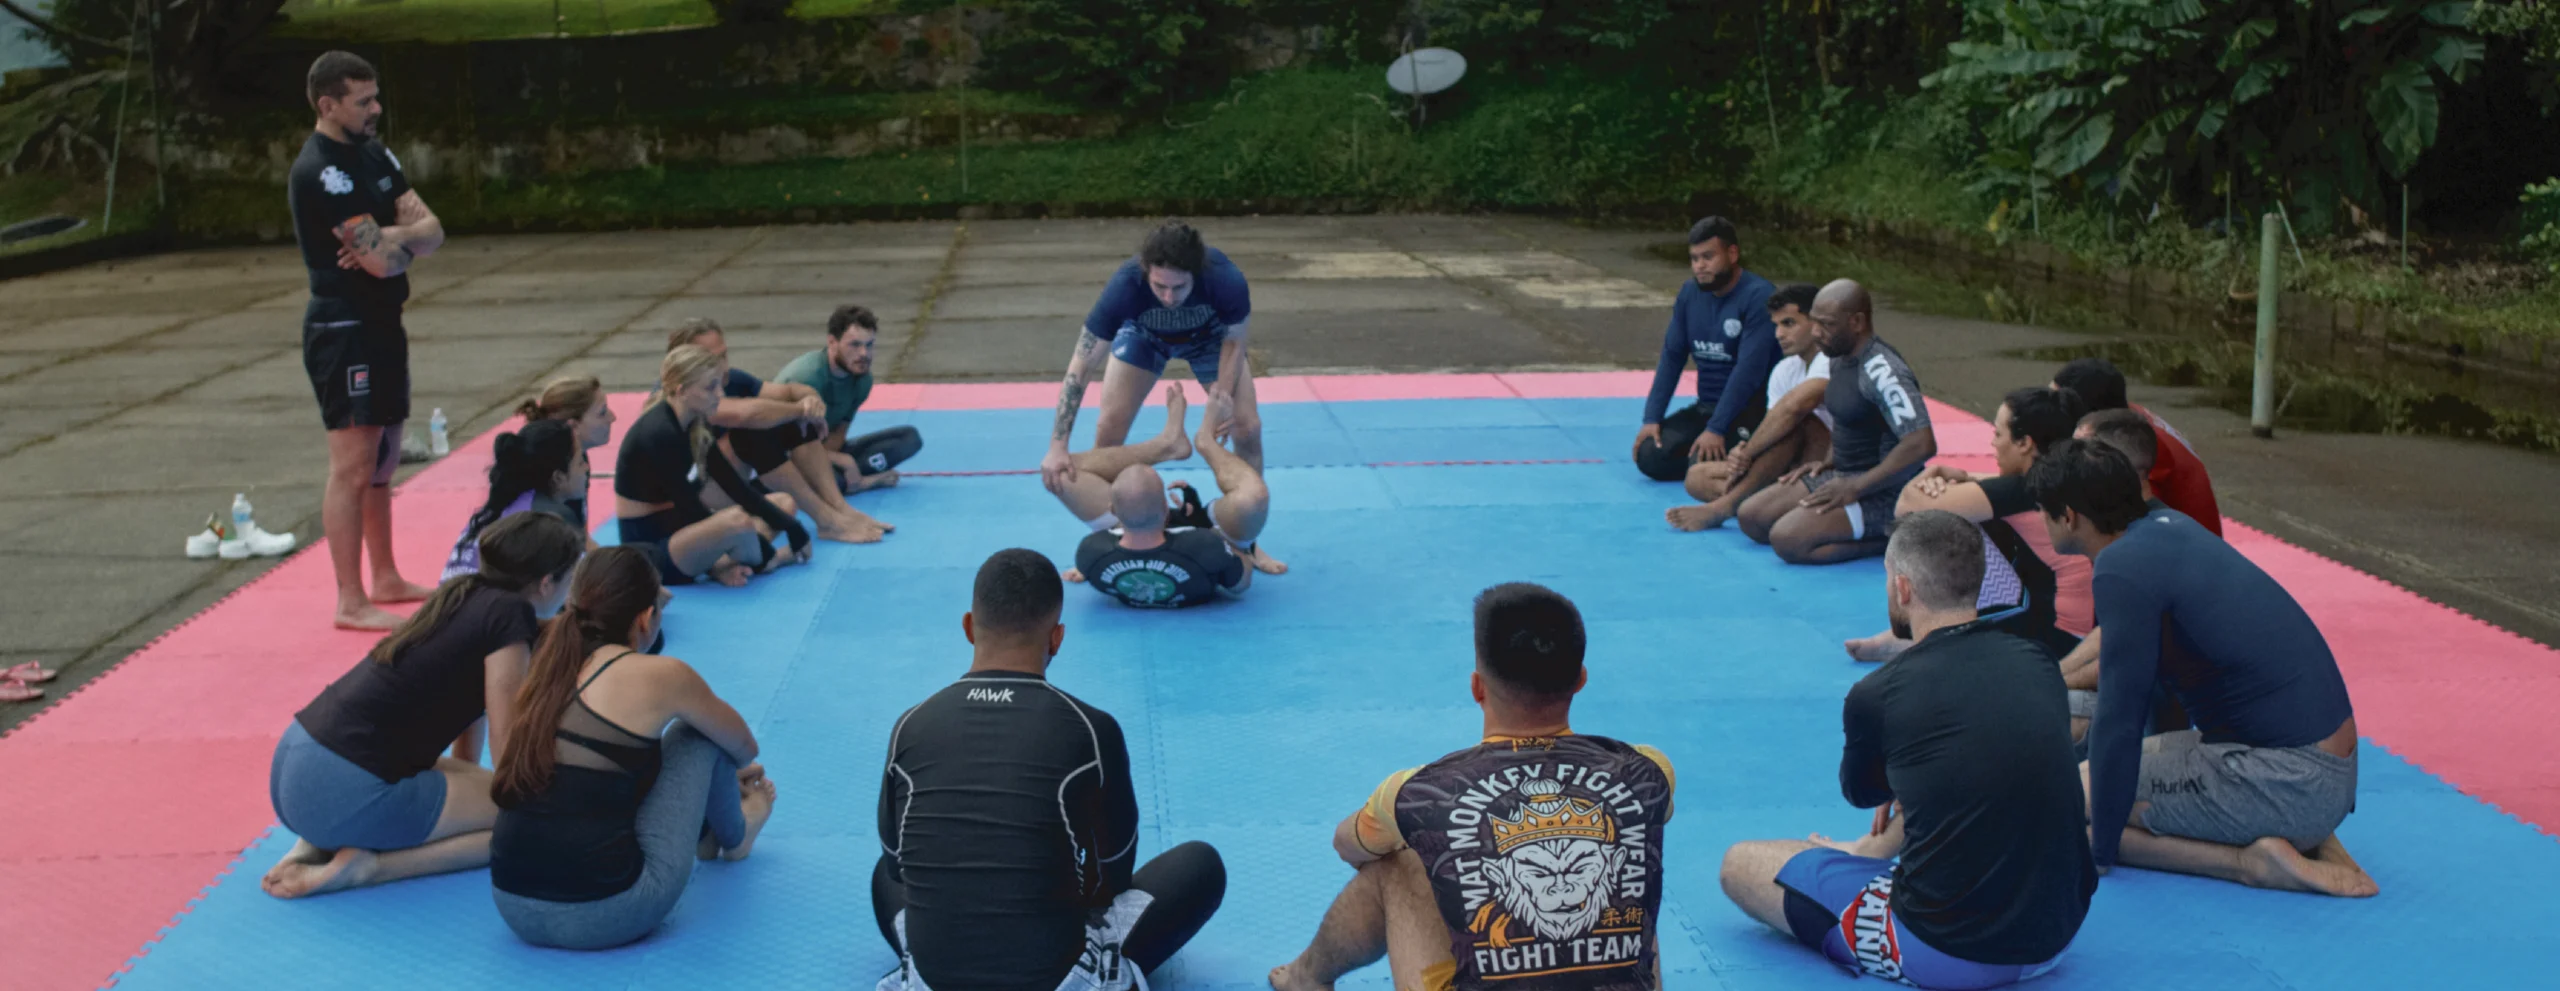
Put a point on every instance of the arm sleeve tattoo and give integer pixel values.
(1071, 392)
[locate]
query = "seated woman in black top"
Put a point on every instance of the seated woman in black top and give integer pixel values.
(539, 469)
(605, 806)
(657, 487)
(358, 777)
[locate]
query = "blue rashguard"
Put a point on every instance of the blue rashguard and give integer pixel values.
(1729, 337)
(2186, 611)
(1145, 332)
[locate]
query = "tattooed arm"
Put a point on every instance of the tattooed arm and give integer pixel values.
(1055, 469)
(419, 231)
(364, 244)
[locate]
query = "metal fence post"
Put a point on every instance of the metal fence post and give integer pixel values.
(2262, 389)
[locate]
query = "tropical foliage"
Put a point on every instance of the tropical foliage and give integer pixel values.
(2172, 104)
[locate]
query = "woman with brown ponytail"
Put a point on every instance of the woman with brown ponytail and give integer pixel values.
(358, 775)
(658, 479)
(623, 770)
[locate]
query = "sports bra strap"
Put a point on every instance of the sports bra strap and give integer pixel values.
(616, 659)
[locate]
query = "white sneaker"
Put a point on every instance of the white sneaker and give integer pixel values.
(208, 541)
(264, 544)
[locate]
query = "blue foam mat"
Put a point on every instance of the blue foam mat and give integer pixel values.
(1255, 725)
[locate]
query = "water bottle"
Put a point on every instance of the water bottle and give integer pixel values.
(437, 443)
(239, 515)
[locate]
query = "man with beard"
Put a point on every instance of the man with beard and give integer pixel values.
(1720, 323)
(1844, 510)
(1529, 862)
(840, 373)
(1963, 745)
(360, 227)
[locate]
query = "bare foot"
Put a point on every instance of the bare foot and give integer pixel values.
(347, 868)
(732, 575)
(850, 533)
(303, 854)
(1177, 441)
(1877, 649)
(883, 480)
(1262, 561)
(757, 799)
(397, 589)
(1287, 978)
(1071, 576)
(366, 617)
(2271, 862)
(1703, 516)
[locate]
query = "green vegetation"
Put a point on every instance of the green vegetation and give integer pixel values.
(474, 20)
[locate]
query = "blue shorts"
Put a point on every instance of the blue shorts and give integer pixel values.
(1144, 349)
(1840, 905)
(334, 804)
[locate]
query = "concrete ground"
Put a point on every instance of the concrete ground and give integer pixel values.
(136, 397)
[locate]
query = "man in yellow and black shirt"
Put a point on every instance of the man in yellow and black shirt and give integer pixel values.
(1529, 862)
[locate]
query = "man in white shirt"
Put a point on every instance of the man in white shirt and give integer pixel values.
(1796, 430)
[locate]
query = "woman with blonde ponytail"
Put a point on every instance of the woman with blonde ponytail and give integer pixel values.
(359, 775)
(658, 479)
(621, 771)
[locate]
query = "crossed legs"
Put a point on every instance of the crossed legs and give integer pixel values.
(1720, 494)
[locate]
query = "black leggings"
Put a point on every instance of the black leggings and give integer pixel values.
(1188, 882)
(883, 450)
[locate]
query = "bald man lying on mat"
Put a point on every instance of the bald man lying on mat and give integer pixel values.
(1152, 555)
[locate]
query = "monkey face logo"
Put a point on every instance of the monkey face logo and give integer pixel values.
(1557, 857)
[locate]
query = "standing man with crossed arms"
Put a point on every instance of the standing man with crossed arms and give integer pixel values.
(1179, 298)
(360, 227)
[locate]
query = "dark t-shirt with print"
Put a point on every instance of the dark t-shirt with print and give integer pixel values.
(1191, 567)
(1545, 856)
(331, 183)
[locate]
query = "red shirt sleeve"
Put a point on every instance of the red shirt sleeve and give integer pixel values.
(2178, 477)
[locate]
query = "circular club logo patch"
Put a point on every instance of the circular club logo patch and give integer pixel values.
(1732, 327)
(1140, 586)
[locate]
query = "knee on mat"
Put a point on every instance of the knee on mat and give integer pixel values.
(1662, 464)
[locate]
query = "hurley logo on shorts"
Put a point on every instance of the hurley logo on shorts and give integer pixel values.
(1868, 926)
(359, 380)
(1880, 371)
(990, 695)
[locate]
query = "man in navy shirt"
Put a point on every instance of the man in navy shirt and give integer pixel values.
(360, 226)
(1179, 298)
(1720, 323)
(2270, 769)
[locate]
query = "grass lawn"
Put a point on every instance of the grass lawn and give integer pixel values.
(473, 20)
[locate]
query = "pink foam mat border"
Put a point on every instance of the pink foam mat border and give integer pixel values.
(135, 794)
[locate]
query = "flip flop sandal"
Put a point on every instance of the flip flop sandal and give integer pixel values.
(32, 673)
(18, 691)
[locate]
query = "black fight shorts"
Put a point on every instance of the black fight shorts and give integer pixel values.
(358, 360)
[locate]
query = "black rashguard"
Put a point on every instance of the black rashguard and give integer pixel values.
(1190, 567)
(1969, 730)
(331, 183)
(656, 464)
(1007, 813)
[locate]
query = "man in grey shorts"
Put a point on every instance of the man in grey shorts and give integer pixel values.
(2254, 793)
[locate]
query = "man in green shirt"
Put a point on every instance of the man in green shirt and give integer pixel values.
(841, 374)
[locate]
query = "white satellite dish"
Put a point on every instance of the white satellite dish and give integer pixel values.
(1426, 70)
